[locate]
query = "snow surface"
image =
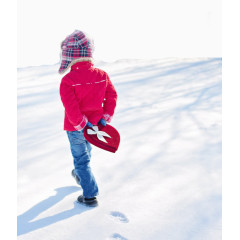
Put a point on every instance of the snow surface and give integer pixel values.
(165, 180)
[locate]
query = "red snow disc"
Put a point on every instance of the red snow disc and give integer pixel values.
(106, 138)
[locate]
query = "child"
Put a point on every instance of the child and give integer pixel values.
(88, 97)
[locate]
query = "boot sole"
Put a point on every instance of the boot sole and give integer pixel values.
(93, 203)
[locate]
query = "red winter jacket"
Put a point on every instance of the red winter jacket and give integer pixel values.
(87, 95)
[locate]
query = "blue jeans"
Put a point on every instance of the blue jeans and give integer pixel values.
(81, 152)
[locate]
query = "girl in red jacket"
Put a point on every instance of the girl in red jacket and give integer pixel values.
(88, 97)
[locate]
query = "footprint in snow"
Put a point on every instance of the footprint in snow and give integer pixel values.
(117, 236)
(120, 217)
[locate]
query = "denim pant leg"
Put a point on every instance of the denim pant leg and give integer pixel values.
(89, 147)
(81, 151)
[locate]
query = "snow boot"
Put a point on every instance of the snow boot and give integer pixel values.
(89, 202)
(75, 177)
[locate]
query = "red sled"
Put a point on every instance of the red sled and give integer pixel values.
(104, 137)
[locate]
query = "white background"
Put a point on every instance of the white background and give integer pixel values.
(121, 29)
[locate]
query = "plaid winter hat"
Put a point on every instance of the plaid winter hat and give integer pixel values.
(75, 46)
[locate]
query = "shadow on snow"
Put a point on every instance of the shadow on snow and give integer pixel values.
(25, 223)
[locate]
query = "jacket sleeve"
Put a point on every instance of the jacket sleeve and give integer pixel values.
(71, 105)
(110, 101)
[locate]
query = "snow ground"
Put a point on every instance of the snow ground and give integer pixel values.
(165, 180)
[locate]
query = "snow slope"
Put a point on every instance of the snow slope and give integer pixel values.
(165, 180)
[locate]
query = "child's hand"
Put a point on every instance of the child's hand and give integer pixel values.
(103, 122)
(89, 124)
